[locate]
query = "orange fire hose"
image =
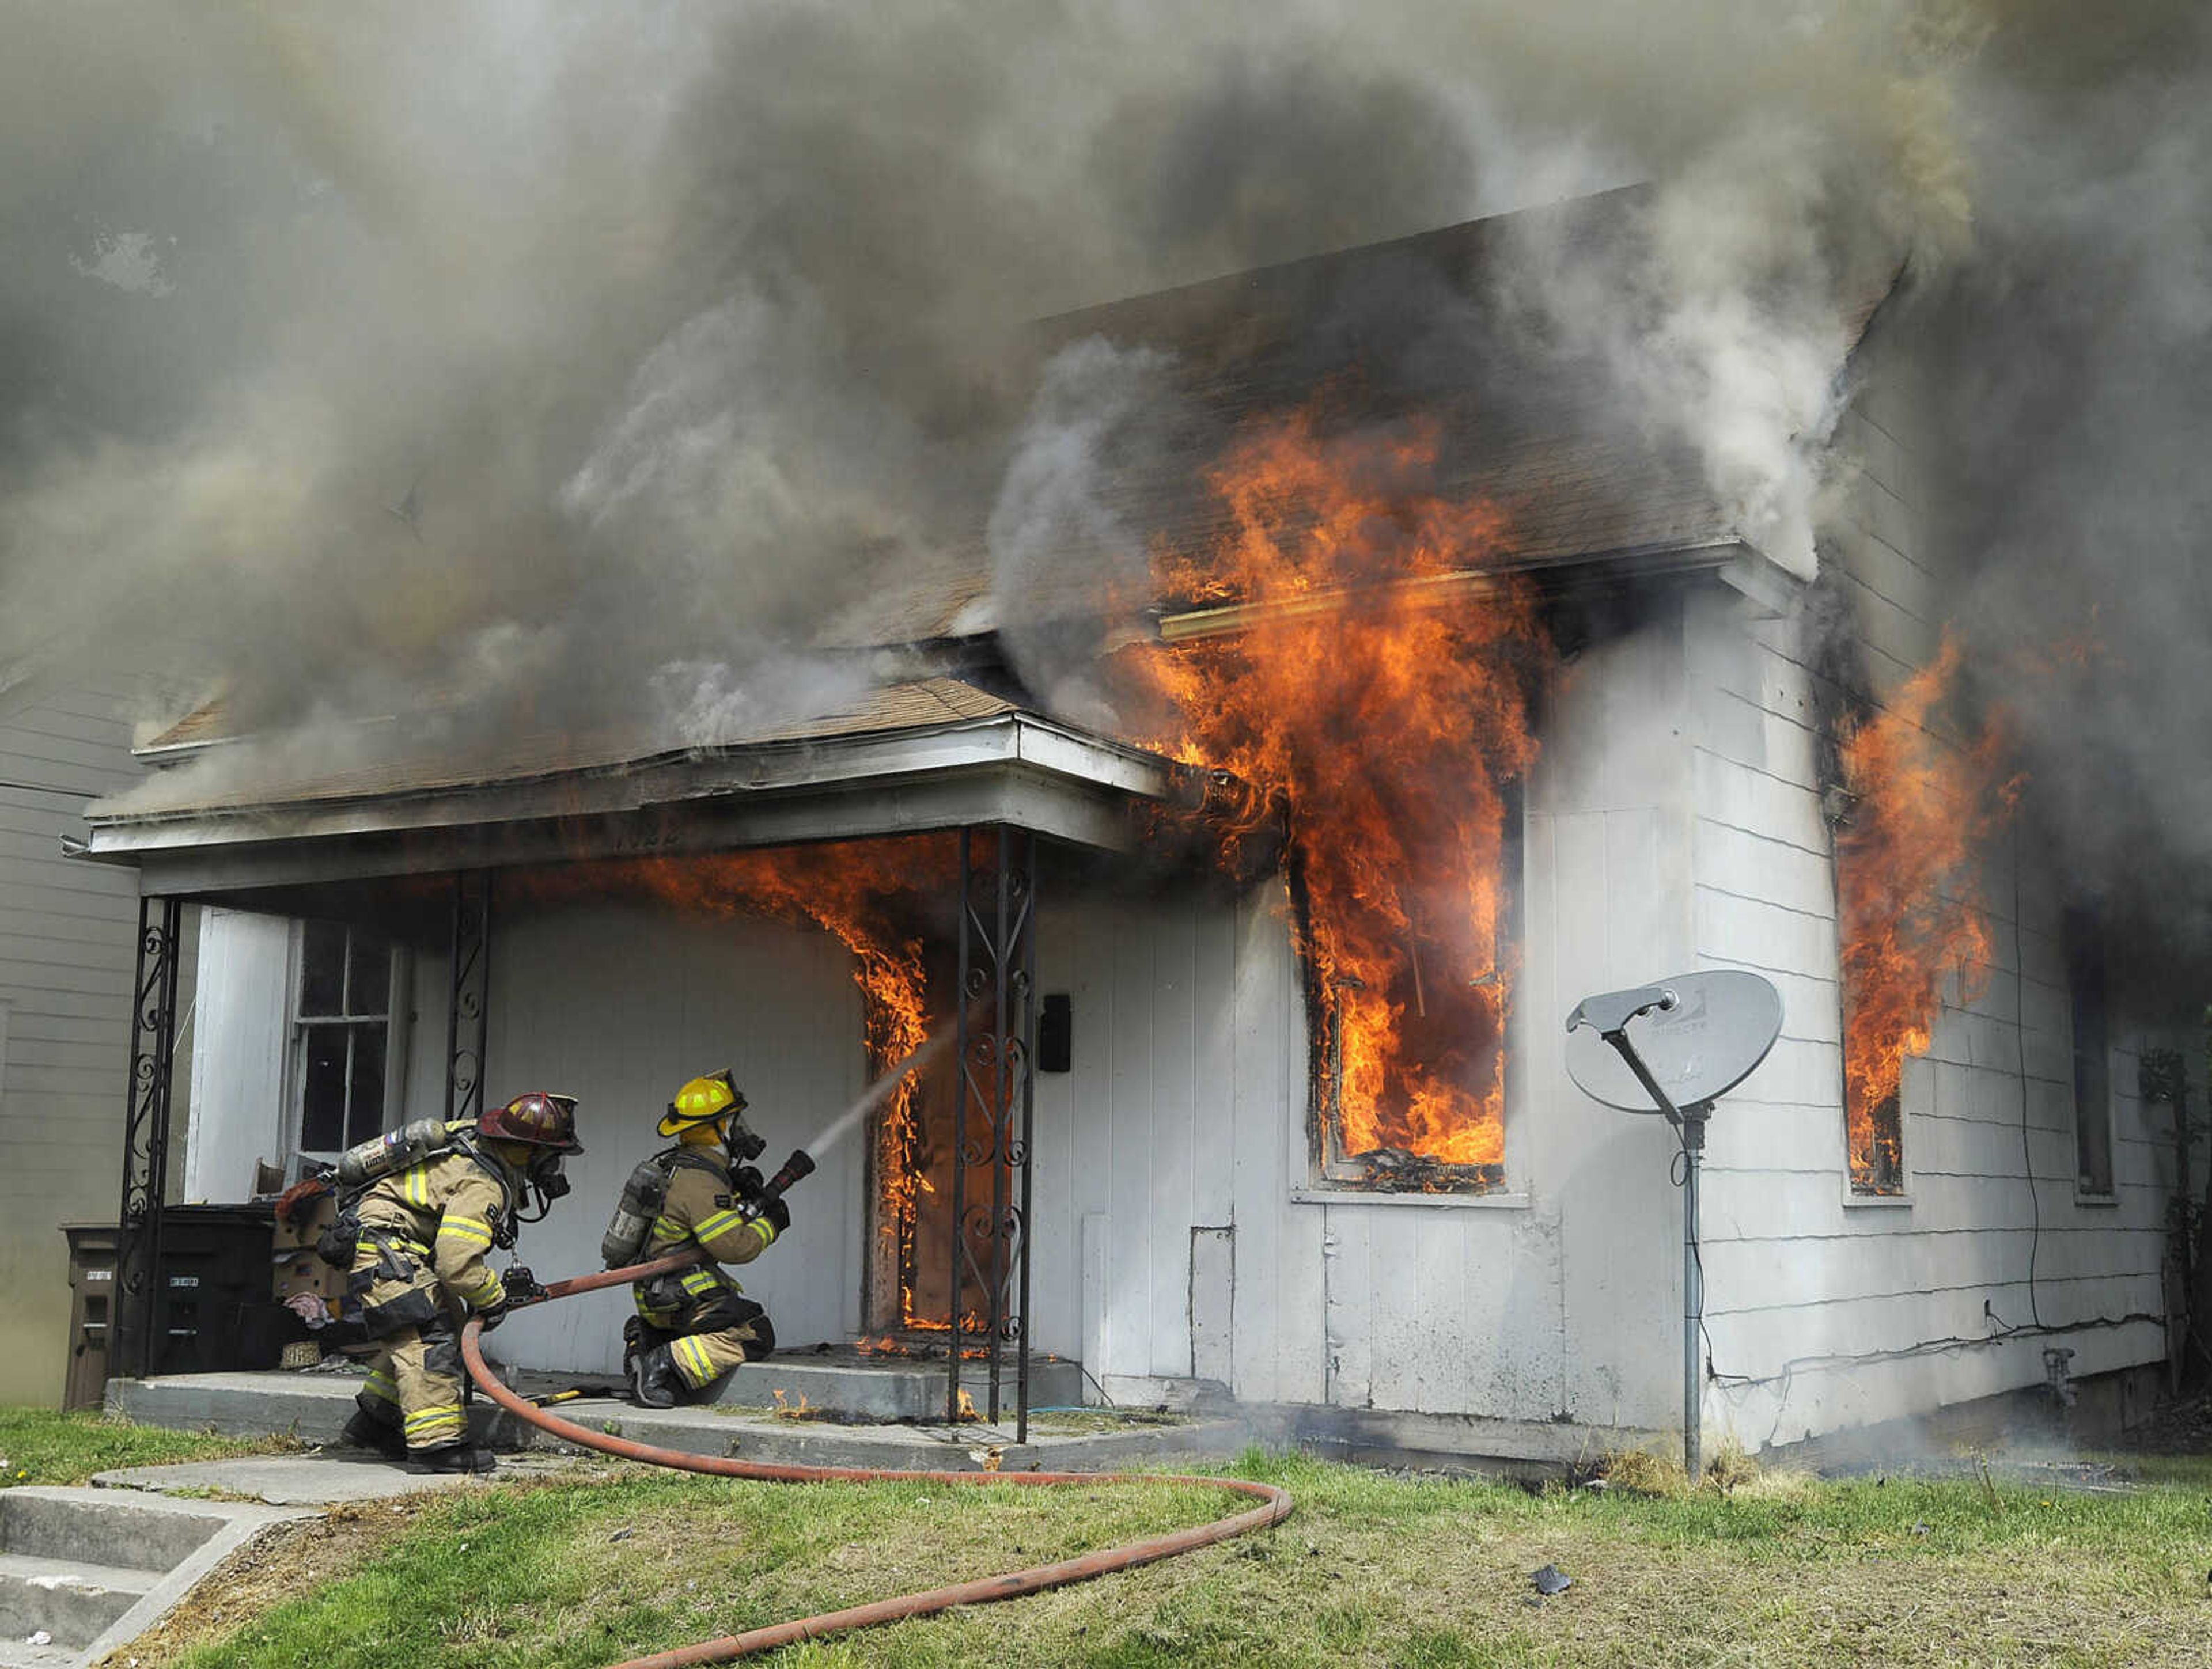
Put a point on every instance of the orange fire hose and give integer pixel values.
(1275, 1506)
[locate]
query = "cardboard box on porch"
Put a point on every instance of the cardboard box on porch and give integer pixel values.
(297, 1268)
(300, 1230)
(298, 1271)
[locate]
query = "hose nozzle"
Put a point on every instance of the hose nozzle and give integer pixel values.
(800, 1164)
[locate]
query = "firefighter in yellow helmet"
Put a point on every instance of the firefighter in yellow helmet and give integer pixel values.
(693, 1326)
(419, 1271)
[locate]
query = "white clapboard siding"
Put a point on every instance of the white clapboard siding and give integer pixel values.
(68, 937)
(1177, 1143)
(1796, 1269)
(618, 1005)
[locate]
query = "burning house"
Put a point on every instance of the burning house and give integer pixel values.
(1258, 880)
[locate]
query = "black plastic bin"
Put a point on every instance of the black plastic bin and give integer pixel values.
(215, 1267)
(210, 1296)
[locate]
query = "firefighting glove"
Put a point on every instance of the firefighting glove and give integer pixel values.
(492, 1314)
(776, 1214)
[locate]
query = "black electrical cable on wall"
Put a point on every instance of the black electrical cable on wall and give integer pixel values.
(1934, 1347)
(2035, 1327)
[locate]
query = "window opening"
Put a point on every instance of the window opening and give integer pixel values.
(344, 1028)
(1410, 1061)
(2093, 1105)
(1914, 808)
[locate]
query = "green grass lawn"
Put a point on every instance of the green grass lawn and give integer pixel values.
(41, 1445)
(1372, 1570)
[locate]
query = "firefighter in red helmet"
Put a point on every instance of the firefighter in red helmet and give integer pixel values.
(419, 1271)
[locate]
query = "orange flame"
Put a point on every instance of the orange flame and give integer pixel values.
(1377, 683)
(851, 889)
(1908, 900)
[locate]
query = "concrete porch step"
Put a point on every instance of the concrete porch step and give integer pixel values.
(94, 1568)
(859, 1385)
(313, 1408)
(73, 1601)
(17, 1654)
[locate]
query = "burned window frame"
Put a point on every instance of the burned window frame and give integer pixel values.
(1330, 1170)
(1844, 701)
(2086, 1005)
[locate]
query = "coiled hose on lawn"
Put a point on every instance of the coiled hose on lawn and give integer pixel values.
(1275, 1506)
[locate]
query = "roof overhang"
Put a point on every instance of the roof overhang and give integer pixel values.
(1016, 769)
(1741, 566)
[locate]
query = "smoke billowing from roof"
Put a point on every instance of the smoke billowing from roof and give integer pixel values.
(562, 360)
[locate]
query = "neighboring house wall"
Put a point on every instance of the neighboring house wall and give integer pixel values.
(1797, 1269)
(68, 939)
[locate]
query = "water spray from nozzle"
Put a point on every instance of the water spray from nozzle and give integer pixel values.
(843, 1124)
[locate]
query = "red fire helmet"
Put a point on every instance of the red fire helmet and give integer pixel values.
(539, 1119)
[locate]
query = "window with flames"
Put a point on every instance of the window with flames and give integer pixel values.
(1408, 1010)
(1919, 798)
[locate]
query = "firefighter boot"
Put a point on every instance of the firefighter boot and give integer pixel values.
(653, 1381)
(462, 1457)
(365, 1431)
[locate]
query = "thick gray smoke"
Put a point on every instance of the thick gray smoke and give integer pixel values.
(2075, 383)
(550, 363)
(525, 351)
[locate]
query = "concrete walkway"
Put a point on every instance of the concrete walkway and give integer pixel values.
(313, 1408)
(310, 1480)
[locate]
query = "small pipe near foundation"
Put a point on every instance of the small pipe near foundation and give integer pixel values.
(1275, 1504)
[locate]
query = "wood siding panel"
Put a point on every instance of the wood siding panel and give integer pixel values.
(1795, 1269)
(240, 1058)
(618, 1005)
(68, 938)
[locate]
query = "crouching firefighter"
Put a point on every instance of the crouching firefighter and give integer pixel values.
(431, 1201)
(694, 1326)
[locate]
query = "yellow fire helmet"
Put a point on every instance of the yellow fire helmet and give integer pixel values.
(702, 1100)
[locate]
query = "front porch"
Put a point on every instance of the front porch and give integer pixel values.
(669, 918)
(313, 1407)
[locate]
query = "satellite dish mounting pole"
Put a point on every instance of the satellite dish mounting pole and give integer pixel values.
(1706, 1032)
(1691, 1122)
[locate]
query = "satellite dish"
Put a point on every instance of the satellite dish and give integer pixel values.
(1698, 1034)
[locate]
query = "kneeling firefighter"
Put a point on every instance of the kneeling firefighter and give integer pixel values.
(427, 1203)
(693, 1326)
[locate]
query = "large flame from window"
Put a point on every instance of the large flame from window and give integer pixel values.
(1909, 901)
(1366, 672)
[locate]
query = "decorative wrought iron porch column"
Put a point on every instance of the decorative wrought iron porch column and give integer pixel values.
(468, 1004)
(135, 1311)
(996, 1045)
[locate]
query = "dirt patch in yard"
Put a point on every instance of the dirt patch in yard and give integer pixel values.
(288, 1560)
(282, 1562)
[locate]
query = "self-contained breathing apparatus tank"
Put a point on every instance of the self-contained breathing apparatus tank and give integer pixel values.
(395, 1151)
(647, 1190)
(643, 1196)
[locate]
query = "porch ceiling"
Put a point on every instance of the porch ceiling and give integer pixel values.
(1007, 766)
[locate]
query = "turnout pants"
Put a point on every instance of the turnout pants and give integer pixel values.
(707, 1336)
(415, 1380)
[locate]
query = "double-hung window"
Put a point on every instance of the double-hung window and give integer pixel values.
(342, 1032)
